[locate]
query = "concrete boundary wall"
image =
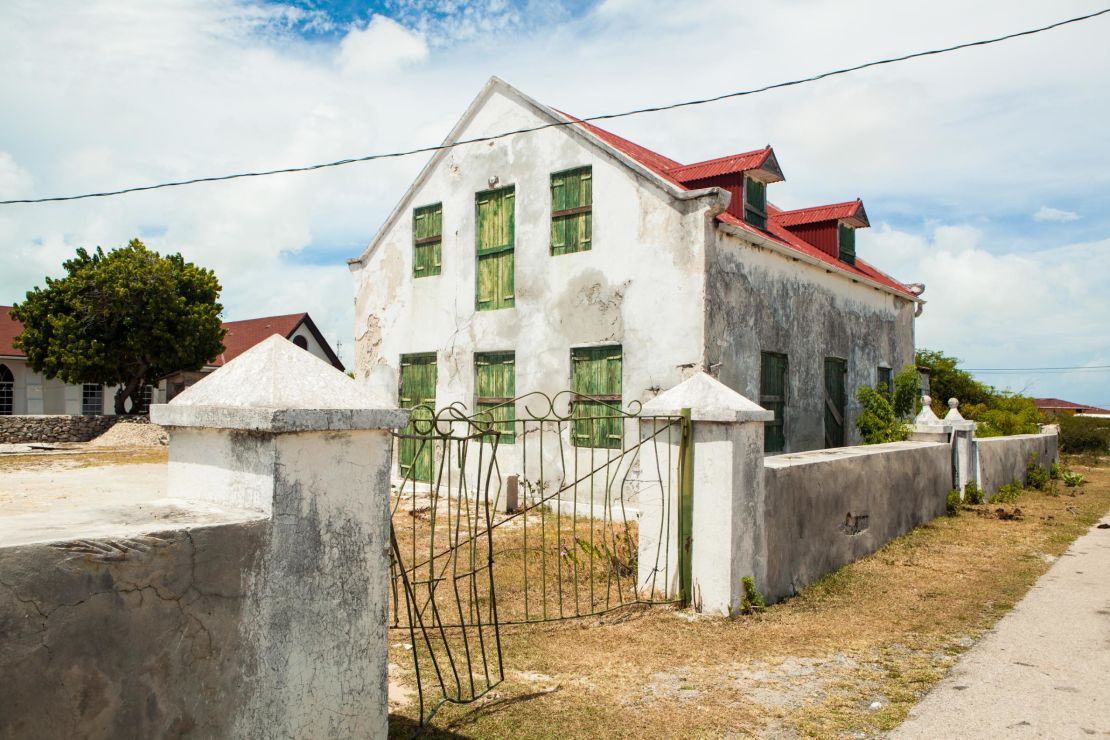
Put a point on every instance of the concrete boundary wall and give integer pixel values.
(1003, 460)
(830, 507)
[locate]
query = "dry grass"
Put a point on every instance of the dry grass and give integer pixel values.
(82, 456)
(847, 657)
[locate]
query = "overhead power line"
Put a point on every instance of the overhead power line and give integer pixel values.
(602, 117)
(1020, 370)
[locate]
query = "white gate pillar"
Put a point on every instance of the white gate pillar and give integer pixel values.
(282, 432)
(727, 529)
(964, 454)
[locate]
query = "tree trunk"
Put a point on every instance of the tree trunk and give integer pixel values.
(130, 390)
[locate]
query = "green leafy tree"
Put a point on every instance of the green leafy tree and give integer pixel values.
(997, 413)
(907, 392)
(124, 317)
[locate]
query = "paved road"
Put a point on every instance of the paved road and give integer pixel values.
(1044, 671)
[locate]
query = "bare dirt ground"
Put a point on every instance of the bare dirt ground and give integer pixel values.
(848, 657)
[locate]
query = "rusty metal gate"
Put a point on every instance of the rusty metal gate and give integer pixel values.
(536, 509)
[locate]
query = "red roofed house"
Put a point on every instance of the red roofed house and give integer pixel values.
(1059, 406)
(567, 251)
(23, 391)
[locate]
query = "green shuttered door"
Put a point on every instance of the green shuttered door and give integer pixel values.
(496, 233)
(772, 396)
(495, 389)
(596, 372)
(418, 388)
(835, 398)
(572, 197)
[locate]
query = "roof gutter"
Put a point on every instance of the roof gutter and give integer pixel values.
(762, 241)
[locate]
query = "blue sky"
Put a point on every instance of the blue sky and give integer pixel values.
(985, 173)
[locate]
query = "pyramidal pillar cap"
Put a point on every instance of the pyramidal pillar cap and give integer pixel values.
(278, 387)
(708, 400)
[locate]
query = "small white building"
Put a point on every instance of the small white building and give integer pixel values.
(24, 391)
(570, 258)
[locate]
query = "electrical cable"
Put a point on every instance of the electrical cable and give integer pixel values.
(603, 117)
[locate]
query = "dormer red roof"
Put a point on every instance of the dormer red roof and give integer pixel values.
(850, 211)
(776, 231)
(730, 165)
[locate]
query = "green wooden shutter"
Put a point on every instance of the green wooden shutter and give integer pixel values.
(427, 240)
(596, 375)
(495, 390)
(572, 197)
(755, 202)
(835, 400)
(496, 233)
(417, 388)
(772, 396)
(846, 239)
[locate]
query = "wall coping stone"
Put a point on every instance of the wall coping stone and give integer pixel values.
(277, 387)
(708, 400)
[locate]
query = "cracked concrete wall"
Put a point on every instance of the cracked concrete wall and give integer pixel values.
(761, 301)
(271, 628)
(1003, 460)
(814, 501)
(641, 285)
(125, 638)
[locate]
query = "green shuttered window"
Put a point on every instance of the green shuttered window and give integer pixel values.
(495, 389)
(418, 388)
(772, 396)
(496, 232)
(572, 197)
(427, 240)
(846, 238)
(755, 202)
(596, 384)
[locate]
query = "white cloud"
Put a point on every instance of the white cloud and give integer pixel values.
(1054, 214)
(106, 93)
(381, 46)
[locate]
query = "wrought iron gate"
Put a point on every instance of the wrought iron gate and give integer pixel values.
(537, 509)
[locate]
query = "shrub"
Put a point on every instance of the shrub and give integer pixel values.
(1072, 480)
(1005, 414)
(1054, 471)
(1008, 493)
(877, 422)
(952, 504)
(752, 600)
(1036, 476)
(973, 494)
(907, 392)
(1084, 434)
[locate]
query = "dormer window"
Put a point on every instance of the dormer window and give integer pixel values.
(846, 242)
(755, 202)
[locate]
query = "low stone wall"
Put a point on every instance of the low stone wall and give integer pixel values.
(826, 508)
(126, 637)
(53, 428)
(1002, 460)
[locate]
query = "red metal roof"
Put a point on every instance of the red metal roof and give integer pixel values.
(778, 233)
(242, 335)
(666, 168)
(1057, 404)
(9, 330)
(813, 214)
(721, 166)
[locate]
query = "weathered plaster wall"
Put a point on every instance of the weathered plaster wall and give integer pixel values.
(53, 428)
(125, 637)
(640, 286)
(813, 501)
(761, 301)
(1002, 460)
